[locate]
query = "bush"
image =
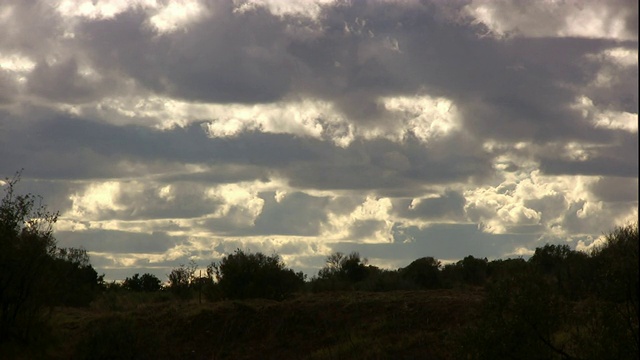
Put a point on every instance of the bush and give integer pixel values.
(544, 307)
(342, 272)
(244, 275)
(181, 280)
(147, 282)
(424, 272)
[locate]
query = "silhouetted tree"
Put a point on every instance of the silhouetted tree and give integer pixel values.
(333, 266)
(423, 272)
(245, 275)
(342, 272)
(612, 310)
(468, 271)
(147, 282)
(353, 268)
(181, 278)
(567, 269)
(522, 314)
(76, 282)
(534, 308)
(34, 273)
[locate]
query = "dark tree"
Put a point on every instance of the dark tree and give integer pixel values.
(535, 307)
(474, 270)
(76, 281)
(34, 273)
(26, 249)
(424, 272)
(565, 268)
(354, 269)
(339, 266)
(147, 282)
(245, 275)
(614, 313)
(181, 279)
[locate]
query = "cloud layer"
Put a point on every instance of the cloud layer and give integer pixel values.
(178, 130)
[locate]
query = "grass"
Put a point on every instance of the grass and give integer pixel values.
(354, 325)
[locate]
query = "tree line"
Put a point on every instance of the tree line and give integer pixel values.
(552, 304)
(558, 304)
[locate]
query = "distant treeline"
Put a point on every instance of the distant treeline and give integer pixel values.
(574, 274)
(560, 303)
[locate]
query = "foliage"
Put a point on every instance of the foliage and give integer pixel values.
(615, 290)
(76, 282)
(181, 279)
(423, 272)
(246, 275)
(568, 270)
(562, 304)
(342, 272)
(147, 282)
(34, 272)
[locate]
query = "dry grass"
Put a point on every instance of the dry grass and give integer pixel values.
(354, 325)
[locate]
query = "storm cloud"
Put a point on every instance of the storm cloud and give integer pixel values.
(172, 131)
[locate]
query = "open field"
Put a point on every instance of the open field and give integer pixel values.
(354, 325)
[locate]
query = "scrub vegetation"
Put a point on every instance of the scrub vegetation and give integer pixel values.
(559, 304)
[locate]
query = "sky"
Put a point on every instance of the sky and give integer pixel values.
(166, 131)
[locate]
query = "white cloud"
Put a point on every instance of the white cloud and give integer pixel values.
(242, 196)
(369, 222)
(306, 8)
(527, 198)
(16, 63)
(183, 129)
(425, 116)
(591, 19)
(94, 200)
(175, 15)
(604, 118)
(97, 9)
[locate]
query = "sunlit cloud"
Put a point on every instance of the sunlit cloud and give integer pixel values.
(591, 19)
(170, 131)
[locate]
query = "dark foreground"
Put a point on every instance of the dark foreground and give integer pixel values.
(350, 325)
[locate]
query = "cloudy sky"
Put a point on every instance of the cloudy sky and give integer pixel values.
(166, 131)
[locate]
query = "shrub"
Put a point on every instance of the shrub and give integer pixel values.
(147, 282)
(181, 280)
(244, 275)
(424, 272)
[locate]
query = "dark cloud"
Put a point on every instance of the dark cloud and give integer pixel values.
(8, 87)
(550, 207)
(114, 242)
(62, 82)
(31, 38)
(515, 103)
(616, 189)
(59, 146)
(79, 148)
(225, 57)
(384, 164)
(449, 205)
(365, 229)
(620, 158)
(295, 214)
